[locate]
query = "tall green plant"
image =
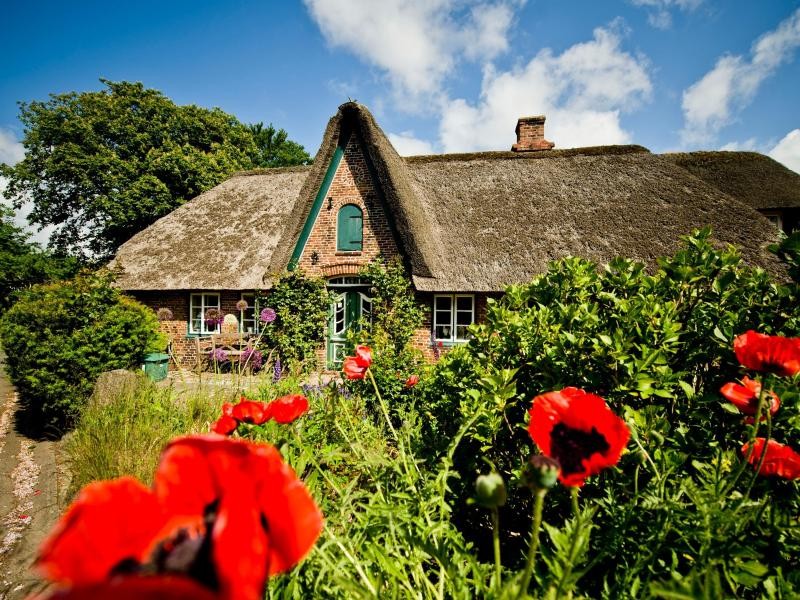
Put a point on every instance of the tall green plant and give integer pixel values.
(59, 337)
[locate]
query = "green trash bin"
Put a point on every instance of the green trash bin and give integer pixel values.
(156, 366)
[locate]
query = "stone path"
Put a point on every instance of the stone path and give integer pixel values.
(33, 483)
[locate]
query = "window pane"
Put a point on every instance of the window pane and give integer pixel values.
(464, 303)
(443, 303)
(211, 301)
(461, 332)
(443, 332)
(463, 318)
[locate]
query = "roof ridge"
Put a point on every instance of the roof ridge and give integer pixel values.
(611, 150)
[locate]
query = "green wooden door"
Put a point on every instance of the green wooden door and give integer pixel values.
(346, 311)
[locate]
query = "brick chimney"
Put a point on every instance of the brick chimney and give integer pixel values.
(530, 135)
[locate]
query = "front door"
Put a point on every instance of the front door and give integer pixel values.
(350, 306)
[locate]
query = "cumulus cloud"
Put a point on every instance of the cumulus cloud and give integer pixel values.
(787, 151)
(416, 43)
(659, 13)
(407, 144)
(713, 101)
(582, 91)
(11, 150)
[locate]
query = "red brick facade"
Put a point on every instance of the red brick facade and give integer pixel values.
(351, 184)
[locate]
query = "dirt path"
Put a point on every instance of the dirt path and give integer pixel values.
(32, 485)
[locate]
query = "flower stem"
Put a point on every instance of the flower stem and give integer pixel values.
(574, 498)
(496, 543)
(571, 558)
(533, 546)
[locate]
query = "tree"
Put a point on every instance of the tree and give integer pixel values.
(103, 165)
(23, 263)
(274, 149)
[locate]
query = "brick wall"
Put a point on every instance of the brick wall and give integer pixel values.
(351, 184)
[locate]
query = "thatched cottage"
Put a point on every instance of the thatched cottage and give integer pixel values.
(465, 225)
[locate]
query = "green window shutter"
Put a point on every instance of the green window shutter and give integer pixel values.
(349, 228)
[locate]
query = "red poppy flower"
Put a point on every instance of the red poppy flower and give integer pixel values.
(287, 408)
(768, 353)
(264, 520)
(412, 381)
(355, 367)
(248, 411)
(745, 396)
(109, 527)
(161, 587)
(579, 430)
(780, 459)
(227, 408)
(225, 425)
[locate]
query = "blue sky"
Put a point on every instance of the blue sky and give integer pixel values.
(439, 75)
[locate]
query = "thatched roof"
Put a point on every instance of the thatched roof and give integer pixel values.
(223, 239)
(753, 178)
(464, 222)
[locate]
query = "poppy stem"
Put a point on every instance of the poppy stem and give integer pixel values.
(533, 547)
(574, 496)
(383, 406)
(750, 445)
(496, 542)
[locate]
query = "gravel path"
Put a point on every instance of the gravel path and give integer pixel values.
(32, 484)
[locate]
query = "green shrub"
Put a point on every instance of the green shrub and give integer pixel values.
(59, 337)
(657, 347)
(301, 306)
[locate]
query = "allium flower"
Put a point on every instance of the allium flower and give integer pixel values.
(223, 516)
(745, 396)
(242, 305)
(164, 314)
(219, 355)
(248, 411)
(355, 367)
(768, 353)
(253, 358)
(267, 315)
(412, 380)
(434, 346)
(780, 460)
(287, 408)
(213, 317)
(578, 430)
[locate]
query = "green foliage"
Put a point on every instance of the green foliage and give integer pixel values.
(23, 263)
(59, 337)
(658, 347)
(125, 425)
(103, 165)
(274, 149)
(301, 304)
(396, 315)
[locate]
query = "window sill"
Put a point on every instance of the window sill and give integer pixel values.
(349, 253)
(451, 343)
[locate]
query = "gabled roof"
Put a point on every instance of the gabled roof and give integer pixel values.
(464, 222)
(753, 178)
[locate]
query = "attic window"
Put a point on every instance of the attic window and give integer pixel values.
(775, 219)
(350, 228)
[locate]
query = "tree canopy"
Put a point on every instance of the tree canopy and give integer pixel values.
(102, 165)
(23, 263)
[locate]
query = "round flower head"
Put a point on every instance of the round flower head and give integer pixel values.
(768, 353)
(213, 317)
(578, 430)
(219, 355)
(355, 367)
(242, 305)
(287, 408)
(164, 314)
(248, 411)
(225, 425)
(267, 315)
(253, 358)
(412, 380)
(780, 460)
(745, 396)
(490, 490)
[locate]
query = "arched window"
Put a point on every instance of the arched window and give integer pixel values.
(349, 228)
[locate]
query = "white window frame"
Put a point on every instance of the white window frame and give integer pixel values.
(453, 298)
(252, 305)
(204, 330)
(776, 218)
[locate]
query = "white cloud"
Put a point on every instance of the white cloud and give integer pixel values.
(407, 145)
(582, 92)
(417, 43)
(712, 102)
(660, 15)
(11, 151)
(787, 151)
(750, 145)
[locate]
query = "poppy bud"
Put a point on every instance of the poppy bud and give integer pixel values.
(541, 472)
(490, 490)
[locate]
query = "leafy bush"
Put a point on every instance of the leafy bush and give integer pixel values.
(301, 305)
(658, 347)
(59, 337)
